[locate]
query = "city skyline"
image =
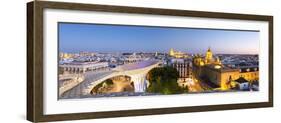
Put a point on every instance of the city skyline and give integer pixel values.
(75, 37)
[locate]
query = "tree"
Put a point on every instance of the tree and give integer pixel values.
(164, 80)
(107, 82)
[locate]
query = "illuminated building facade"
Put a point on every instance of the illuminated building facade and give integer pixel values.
(184, 69)
(132, 58)
(212, 71)
(177, 54)
(65, 55)
(185, 72)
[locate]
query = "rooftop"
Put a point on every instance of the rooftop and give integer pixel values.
(137, 65)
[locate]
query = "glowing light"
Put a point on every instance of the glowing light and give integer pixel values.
(217, 67)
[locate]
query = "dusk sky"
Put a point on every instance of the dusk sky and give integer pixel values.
(121, 38)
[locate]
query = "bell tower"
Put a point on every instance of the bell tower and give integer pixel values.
(171, 52)
(209, 56)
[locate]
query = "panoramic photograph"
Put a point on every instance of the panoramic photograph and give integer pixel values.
(104, 60)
